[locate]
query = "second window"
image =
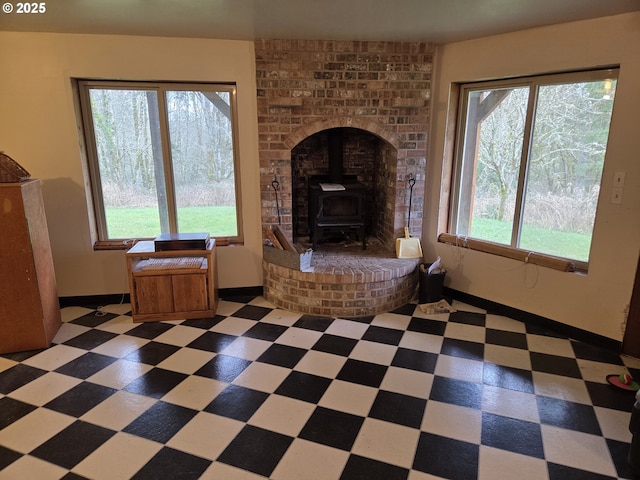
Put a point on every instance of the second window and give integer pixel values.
(529, 161)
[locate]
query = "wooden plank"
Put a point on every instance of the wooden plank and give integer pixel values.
(268, 233)
(284, 241)
(505, 251)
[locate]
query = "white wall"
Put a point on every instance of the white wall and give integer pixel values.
(596, 302)
(38, 129)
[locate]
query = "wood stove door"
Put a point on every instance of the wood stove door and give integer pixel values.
(336, 212)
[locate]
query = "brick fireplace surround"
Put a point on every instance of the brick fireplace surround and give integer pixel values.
(380, 89)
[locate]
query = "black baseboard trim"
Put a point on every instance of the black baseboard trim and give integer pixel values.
(536, 320)
(241, 292)
(95, 301)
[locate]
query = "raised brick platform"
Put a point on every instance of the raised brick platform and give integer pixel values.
(345, 282)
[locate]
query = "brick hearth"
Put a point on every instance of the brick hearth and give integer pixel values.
(345, 282)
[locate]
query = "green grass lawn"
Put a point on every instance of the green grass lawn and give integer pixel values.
(221, 221)
(570, 245)
(144, 222)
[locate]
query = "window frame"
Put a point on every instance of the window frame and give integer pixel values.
(460, 93)
(101, 241)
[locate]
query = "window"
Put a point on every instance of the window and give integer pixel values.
(529, 159)
(162, 159)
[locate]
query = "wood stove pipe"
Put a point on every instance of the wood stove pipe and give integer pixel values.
(336, 155)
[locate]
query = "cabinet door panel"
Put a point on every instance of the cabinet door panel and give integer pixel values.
(189, 292)
(153, 294)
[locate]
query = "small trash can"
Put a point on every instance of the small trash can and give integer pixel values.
(430, 284)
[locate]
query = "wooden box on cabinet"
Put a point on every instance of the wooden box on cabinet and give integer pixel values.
(172, 285)
(29, 306)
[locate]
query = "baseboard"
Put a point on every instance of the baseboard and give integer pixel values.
(537, 320)
(95, 301)
(242, 293)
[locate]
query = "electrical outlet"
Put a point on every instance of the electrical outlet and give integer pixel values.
(616, 195)
(618, 179)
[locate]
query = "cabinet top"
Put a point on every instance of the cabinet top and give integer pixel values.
(20, 184)
(148, 246)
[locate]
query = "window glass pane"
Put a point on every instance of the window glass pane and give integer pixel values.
(200, 130)
(126, 128)
(569, 141)
(493, 142)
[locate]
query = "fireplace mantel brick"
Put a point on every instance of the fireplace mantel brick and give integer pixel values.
(305, 86)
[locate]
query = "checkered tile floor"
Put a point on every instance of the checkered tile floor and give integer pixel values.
(258, 392)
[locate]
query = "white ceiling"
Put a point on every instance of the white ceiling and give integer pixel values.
(438, 21)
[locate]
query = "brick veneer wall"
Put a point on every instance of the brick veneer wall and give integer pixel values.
(383, 88)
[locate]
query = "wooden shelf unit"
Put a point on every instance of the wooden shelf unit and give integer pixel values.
(172, 285)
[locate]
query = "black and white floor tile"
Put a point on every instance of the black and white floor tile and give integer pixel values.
(258, 392)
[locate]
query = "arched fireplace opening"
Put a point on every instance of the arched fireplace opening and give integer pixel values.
(343, 186)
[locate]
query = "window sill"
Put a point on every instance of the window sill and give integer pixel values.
(525, 256)
(127, 244)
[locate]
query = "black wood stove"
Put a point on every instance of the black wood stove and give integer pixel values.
(336, 201)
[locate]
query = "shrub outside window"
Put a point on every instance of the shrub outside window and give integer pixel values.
(162, 158)
(529, 160)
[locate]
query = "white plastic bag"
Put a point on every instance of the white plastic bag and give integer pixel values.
(436, 267)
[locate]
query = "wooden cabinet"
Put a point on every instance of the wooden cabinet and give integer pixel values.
(29, 305)
(172, 285)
